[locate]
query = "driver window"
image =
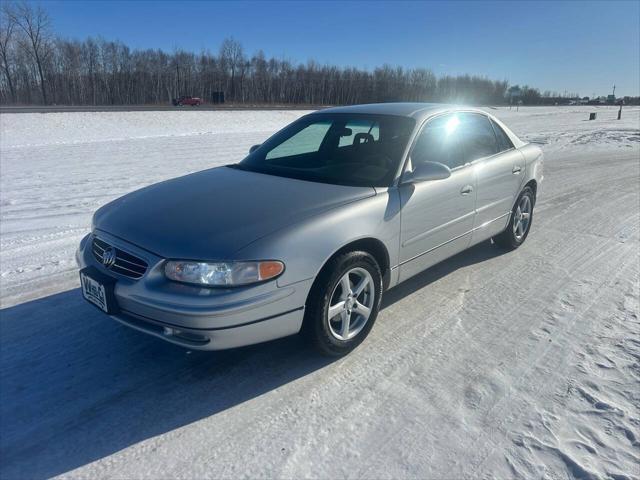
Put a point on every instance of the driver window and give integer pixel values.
(439, 142)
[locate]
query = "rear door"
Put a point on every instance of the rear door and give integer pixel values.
(498, 168)
(437, 216)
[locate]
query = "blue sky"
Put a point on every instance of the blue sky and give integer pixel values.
(582, 47)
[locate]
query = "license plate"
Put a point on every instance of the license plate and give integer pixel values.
(98, 290)
(94, 292)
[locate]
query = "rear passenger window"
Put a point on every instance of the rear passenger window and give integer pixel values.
(478, 137)
(439, 142)
(504, 143)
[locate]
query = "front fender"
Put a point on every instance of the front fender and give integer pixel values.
(306, 246)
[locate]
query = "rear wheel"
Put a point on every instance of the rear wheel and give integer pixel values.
(519, 222)
(344, 302)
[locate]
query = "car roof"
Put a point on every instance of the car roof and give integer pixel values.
(418, 111)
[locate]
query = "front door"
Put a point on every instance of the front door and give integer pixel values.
(437, 216)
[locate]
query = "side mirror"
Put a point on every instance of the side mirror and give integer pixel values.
(254, 148)
(426, 171)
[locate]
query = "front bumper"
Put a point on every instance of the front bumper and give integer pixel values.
(197, 317)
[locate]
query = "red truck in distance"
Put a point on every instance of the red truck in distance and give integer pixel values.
(186, 100)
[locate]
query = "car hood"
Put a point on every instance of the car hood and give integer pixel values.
(211, 214)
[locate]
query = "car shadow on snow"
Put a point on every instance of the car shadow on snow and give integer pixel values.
(476, 254)
(76, 387)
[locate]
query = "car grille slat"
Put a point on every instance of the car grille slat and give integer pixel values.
(126, 264)
(125, 271)
(130, 260)
(133, 264)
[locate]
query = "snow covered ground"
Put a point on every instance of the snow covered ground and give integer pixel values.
(58, 168)
(524, 364)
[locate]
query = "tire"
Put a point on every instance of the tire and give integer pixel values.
(336, 337)
(519, 226)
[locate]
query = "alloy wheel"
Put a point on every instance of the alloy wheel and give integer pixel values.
(522, 218)
(351, 304)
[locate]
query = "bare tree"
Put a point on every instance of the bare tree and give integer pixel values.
(36, 64)
(232, 58)
(35, 25)
(7, 46)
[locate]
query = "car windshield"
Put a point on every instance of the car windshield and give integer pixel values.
(340, 148)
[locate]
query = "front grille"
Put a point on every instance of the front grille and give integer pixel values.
(126, 264)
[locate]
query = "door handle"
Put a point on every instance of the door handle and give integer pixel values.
(466, 190)
(516, 170)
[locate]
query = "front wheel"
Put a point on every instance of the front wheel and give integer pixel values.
(344, 303)
(519, 222)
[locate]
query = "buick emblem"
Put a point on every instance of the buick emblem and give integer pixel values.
(109, 257)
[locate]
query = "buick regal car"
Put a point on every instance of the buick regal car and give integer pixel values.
(307, 232)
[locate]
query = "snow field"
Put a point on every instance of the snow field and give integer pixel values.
(508, 365)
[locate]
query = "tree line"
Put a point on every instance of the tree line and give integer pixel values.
(39, 67)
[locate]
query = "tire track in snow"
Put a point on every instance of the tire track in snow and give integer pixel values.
(456, 380)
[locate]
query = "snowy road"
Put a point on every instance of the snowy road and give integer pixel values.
(492, 364)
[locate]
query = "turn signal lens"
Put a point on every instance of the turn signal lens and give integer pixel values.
(270, 269)
(222, 273)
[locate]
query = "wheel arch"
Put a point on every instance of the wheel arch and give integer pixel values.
(370, 245)
(533, 184)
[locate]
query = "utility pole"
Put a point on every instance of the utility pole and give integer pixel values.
(614, 90)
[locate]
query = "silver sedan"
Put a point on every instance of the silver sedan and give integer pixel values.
(307, 232)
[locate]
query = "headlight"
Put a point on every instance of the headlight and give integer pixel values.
(222, 274)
